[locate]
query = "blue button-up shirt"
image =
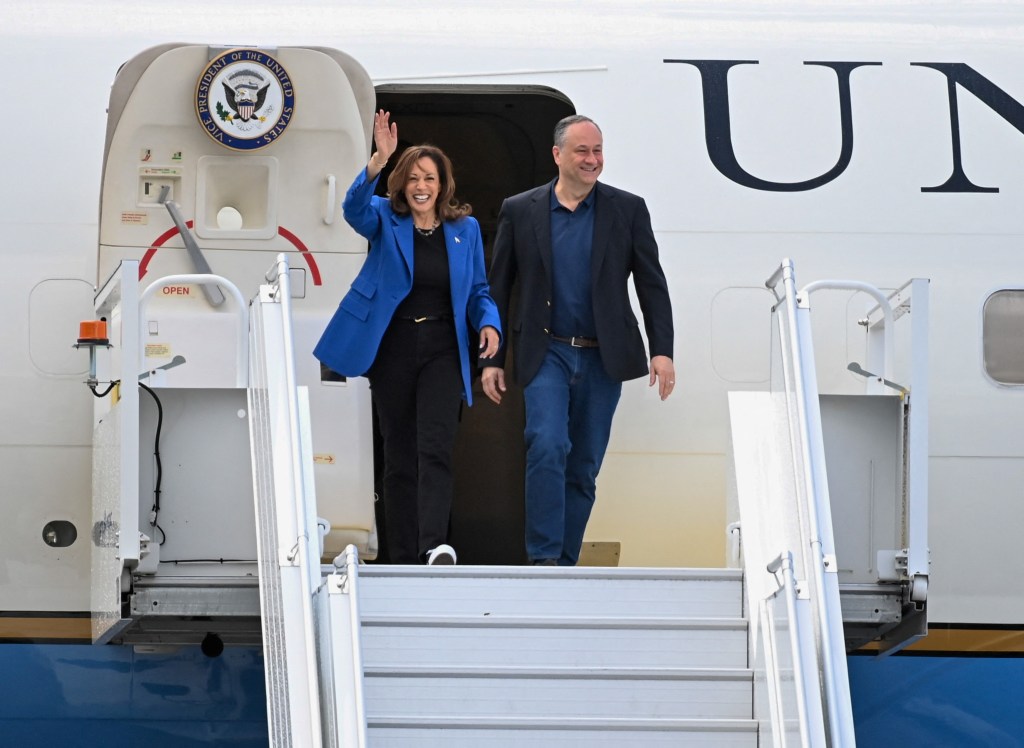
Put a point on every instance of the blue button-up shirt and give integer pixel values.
(572, 236)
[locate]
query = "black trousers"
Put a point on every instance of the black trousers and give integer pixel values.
(417, 390)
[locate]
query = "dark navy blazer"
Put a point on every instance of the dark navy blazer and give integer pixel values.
(623, 246)
(350, 342)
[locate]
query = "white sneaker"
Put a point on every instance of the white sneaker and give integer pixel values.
(443, 555)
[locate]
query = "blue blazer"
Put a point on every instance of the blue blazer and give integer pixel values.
(350, 342)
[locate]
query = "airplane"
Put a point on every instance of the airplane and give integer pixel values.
(877, 141)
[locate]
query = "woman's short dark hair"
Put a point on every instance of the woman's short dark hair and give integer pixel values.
(448, 208)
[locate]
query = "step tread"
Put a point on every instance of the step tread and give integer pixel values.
(534, 621)
(551, 596)
(370, 571)
(543, 695)
(569, 723)
(483, 645)
(507, 649)
(516, 671)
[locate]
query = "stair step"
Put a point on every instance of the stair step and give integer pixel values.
(544, 642)
(515, 692)
(561, 591)
(505, 657)
(398, 732)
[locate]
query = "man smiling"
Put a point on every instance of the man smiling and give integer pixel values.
(573, 245)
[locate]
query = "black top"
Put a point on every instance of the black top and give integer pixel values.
(431, 293)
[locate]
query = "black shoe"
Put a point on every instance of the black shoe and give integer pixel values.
(545, 562)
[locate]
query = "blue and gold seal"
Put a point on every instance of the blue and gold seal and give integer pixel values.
(245, 99)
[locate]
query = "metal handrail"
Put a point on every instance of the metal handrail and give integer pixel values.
(889, 342)
(812, 476)
(782, 565)
(813, 499)
(348, 564)
(307, 568)
(242, 359)
(289, 551)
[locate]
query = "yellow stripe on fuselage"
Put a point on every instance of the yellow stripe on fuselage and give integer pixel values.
(950, 639)
(33, 628)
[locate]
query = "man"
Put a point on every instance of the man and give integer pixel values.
(572, 244)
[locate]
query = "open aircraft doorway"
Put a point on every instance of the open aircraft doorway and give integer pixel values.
(499, 141)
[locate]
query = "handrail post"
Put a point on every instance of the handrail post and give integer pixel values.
(347, 650)
(782, 566)
(917, 454)
(913, 298)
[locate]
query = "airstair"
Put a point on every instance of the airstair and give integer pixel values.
(804, 463)
(502, 656)
(365, 655)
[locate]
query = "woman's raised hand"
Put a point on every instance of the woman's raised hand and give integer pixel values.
(385, 135)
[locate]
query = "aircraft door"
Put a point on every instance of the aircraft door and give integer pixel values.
(217, 159)
(499, 141)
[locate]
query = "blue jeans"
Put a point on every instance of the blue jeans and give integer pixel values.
(570, 403)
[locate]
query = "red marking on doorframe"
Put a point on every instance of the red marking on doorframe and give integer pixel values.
(314, 270)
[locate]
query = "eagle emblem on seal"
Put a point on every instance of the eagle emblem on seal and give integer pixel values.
(245, 92)
(244, 99)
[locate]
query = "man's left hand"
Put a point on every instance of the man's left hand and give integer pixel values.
(664, 373)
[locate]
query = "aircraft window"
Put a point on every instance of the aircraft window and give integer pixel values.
(741, 334)
(1003, 336)
(56, 306)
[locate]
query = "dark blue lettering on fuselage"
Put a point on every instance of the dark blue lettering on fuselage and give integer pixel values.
(718, 126)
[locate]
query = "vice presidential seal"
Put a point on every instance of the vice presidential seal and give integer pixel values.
(245, 99)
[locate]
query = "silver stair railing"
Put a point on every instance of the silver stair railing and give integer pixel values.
(288, 535)
(818, 545)
(782, 491)
(778, 665)
(342, 654)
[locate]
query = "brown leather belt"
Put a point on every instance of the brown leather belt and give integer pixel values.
(577, 342)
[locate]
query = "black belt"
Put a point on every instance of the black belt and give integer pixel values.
(428, 318)
(576, 342)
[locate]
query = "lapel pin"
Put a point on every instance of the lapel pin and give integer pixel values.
(458, 240)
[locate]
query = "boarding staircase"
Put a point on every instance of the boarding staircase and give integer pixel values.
(364, 655)
(502, 656)
(496, 656)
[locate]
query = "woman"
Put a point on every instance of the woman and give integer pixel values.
(405, 324)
